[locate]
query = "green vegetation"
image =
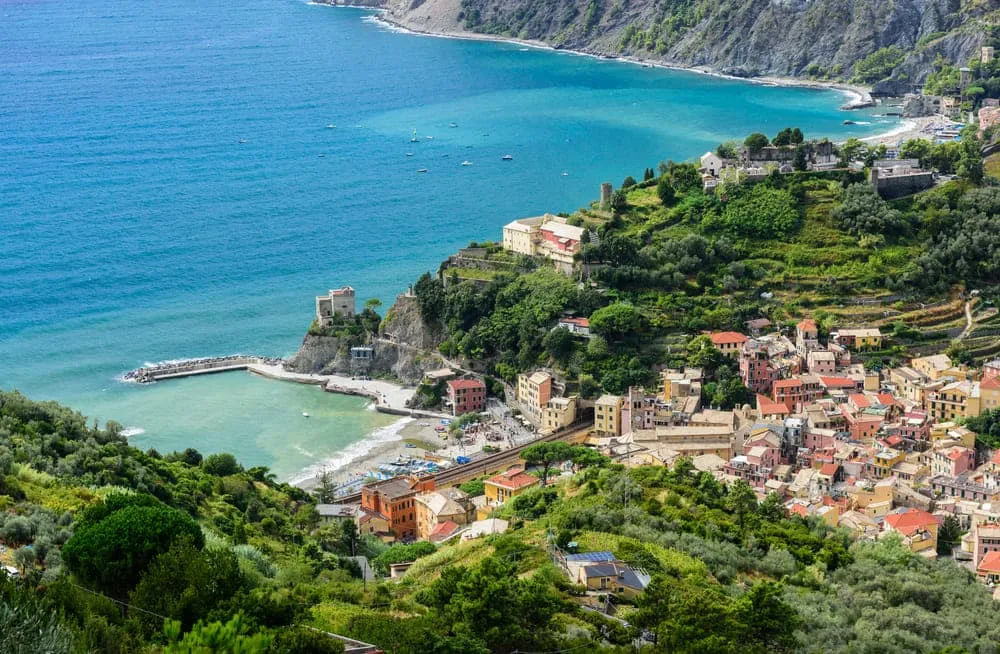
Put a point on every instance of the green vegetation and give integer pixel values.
(260, 574)
(879, 64)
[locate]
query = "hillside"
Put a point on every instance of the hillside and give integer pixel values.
(797, 38)
(221, 559)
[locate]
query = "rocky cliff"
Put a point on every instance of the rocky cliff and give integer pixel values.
(822, 38)
(403, 349)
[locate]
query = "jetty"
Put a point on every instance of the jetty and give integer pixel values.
(192, 367)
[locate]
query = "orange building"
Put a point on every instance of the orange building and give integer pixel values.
(394, 500)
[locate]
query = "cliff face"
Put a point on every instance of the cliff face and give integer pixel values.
(743, 37)
(402, 350)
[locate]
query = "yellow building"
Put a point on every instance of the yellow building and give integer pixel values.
(500, 488)
(558, 414)
(909, 383)
(533, 393)
(873, 501)
(608, 415)
(858, 339)
(918, 529)
(880, 465)
(937, 366)
(953, 401)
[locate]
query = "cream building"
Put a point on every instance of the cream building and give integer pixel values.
(608, 415)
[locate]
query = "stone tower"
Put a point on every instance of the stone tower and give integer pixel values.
(606, 195)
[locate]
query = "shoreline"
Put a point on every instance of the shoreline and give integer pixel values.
(855, 94)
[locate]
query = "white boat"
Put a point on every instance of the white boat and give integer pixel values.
(466, 163)
(243, 140)
(414, 139)
(421, 170)
(331, 126)
(409, 154)
(305, 414)
(429, 138)
(507, 157)
(452, 125)
(565, 174)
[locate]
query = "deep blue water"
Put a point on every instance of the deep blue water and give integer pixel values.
(135, 226)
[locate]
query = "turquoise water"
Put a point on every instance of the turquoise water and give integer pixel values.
(135, 226)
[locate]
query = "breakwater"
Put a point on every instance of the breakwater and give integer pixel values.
(190, 367)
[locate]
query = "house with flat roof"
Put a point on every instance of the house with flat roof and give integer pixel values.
(466, 396)
(338, 302)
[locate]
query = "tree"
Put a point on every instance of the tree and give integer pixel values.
(430, 297)
(221, 465)
(215, 638)
(185, 583)
(547, 455)
(949, 535)
(741, 500)
(560, 344)
(648, 174)
(301, 639)
(24, 558)
(853, 150)
(326, 486)
(701, 353)
(629, 182)
(800, 162)
(114, 553)
(28, 626)
(879, 64)
(615, 320)
(728, 150)
(350, 538)
(756, 142)
(783, 138)
(863, 211)
(767, 623)
(619, 201)
(665, 192)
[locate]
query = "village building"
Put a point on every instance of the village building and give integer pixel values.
(559, 413)
(728, 343)
(466, 396)
(534, 391)
(919, 530)
(575, 326)
(436, 508)
(338, 302)
(608, 415)
(513, 482)
(394, 500)
(862, 339)
(545, 236)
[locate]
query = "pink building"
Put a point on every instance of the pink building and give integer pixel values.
(953, 461)
(794, 393)
(987, 540)
(755, 367)
(466, 395)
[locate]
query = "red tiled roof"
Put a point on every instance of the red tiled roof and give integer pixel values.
(829, 469)
(579, 322)
(837, 382)
(807, 324)
(990, 562)
(859, 400)
(726, 338)
(787, 383)
(990, 383)
(799, 509)
(956, 453)
(912, 521)
(894, 440)
(443, 530)
(767, 407)
(465, 383)
(886, 399)
(996, 457)
(513, 479)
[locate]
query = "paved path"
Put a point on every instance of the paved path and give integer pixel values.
(968, 321)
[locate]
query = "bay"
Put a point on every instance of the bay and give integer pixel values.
(170, 187)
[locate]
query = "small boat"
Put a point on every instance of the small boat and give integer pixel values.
(466, 163)
(507, 157)
(565, 174)
(429, 138)
(331, 126)
(849, 122)
(414, 139)
(409, 154)
(305, 414)
(321, 156)
(243, 140)
(421, 170)
(452, 125)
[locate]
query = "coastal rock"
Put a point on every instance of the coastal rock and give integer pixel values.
(776, 37)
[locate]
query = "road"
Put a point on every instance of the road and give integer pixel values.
(968, 321)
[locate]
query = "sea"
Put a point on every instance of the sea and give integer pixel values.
(180, 179)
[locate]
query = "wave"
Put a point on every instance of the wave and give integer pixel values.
(353, 452)
(129, 432)
(301, 450)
